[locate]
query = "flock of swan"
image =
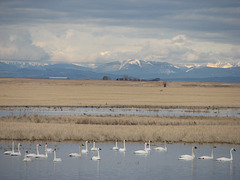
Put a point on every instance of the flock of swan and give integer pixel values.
(146, 150)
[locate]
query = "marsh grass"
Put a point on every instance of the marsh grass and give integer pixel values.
(132, 128)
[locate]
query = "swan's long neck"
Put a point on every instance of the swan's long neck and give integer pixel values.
(98, 154)
(116, 144)
(145, 146)
(54, 154)
(37, 150)
(124, 146)
(231, 156)
(46, 154)
(46, 147)
(193, 155)
(93, 144)
(212, 152)
(149, 146)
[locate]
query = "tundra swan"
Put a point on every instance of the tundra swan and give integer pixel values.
(145, 151)
(9, 152)
(17, 153)
(76, 154)
(55, 159)
(94, 147)
(116, 146)
(48, 149)
(32, 154)
(149, 146)
(85, 150)
(98, 156)
(124, 147)
(227, 159)
(208, 157)
(188, 157)
(42, 155)
(25, 157)
(161, 148)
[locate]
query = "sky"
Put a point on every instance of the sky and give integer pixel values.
(100, 31)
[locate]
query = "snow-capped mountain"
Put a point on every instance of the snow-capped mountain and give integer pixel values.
(140, 69)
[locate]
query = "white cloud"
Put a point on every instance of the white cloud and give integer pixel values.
(16, 44)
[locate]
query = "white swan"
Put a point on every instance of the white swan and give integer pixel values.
(208, 157)
(145, 151)
(227, 159)
(32, 154)
(9, 152)
(76, 154)
(188, 157)
(25, 157)
(161, 148)
(48, 149)
(116, 146)
(55, 159)
(17, 153)
(124, 147)
(149, 146)
(42, 155)
(98, 156)
(85, 150)
(94, 147)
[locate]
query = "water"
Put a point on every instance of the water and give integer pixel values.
(118, 165)
(19, 111)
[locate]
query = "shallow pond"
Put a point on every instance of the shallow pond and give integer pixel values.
(118, 165)
(18, 111)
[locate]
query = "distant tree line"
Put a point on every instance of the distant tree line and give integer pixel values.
(128, 78)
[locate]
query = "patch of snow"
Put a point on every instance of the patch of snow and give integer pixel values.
(131, 61)
(219, 65)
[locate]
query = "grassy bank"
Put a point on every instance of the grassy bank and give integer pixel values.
(132, 128)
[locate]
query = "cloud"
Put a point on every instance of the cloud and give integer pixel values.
(17, 44)
(96, 31)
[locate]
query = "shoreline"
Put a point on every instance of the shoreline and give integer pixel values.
(122, 106)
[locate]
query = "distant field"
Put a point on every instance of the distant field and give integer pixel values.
(52, 92)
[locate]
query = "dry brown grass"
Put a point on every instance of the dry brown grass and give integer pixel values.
(197, 130)
(49, 92)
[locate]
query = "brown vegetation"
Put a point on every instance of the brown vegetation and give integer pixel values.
(53, 92)
(132, 128)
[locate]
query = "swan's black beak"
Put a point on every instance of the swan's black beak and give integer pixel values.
(99, 148)
(82, 144)
(234, 149)
(40, 145)
(214, 146)
(195, 147)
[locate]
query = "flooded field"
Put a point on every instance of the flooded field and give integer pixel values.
(99, 111)
(119, 165)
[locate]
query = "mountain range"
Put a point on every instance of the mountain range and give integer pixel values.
(134, 68)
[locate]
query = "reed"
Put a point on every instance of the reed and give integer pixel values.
(126, 120)
(68, 128)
